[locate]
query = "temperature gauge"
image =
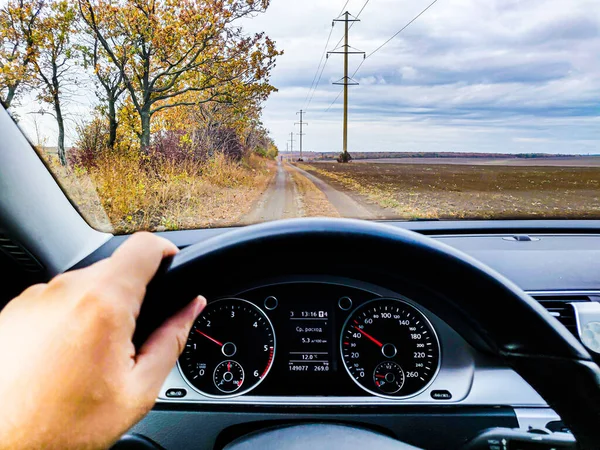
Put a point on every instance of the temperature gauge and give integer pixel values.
(228, 376)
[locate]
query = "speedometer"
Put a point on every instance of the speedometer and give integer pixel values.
(390, 349)
(230, 349)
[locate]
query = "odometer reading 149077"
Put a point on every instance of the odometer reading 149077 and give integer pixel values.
(389, 348)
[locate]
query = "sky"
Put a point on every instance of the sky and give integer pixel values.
(468, 75)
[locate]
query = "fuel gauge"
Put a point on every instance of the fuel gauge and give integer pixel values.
(388, 377)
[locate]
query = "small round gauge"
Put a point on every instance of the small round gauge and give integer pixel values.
(389, 348)
(228, 376)
(230, 349)
(388, 377)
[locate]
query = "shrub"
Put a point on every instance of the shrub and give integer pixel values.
(227, 141)
(260, 151)
(91, 144)
(272, 152)
(169, 147)
(344, 157)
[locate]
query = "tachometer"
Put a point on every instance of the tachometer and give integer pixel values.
(230, 349)
(390, 349)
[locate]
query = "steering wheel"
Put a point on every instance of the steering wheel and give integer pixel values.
(512, 324)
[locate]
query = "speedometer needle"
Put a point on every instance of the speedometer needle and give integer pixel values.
(208, 337)
(368, 336)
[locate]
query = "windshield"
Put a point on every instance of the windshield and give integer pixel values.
(177, 114)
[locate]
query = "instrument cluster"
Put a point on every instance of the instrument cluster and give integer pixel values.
(314, 339)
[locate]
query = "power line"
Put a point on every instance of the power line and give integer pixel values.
(319, 66)
(352, 24)
(343, 8)
(345, 81)
(311, 92)
(400, 31)
(317, 85)
(380, 47)
(333, 102)
(362, 9)
(301, 123)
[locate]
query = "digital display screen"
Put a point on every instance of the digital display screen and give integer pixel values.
(310, 340)
(307, 320)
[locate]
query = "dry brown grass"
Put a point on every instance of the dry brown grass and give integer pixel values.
(121, 191)
(441, 191)
(313, 203)
(80, 189)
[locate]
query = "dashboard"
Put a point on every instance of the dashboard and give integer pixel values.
(325, 342)
(469, 391)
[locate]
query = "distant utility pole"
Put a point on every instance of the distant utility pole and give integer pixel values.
(346, 81)
(287, 148)
(301, 123)
(292, 145)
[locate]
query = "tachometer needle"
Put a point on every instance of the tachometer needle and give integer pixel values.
(368, 336)
(208, 337)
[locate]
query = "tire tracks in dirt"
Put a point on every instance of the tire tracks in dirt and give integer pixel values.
(283, 199)
(346, 205)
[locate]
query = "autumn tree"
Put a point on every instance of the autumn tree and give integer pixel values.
(55, 62)
(175, 53)
(109, 80)
(19, 21)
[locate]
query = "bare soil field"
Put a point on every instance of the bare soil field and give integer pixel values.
(451, 191)
(585, 161)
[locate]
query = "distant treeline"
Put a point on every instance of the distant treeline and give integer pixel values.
(400, 155)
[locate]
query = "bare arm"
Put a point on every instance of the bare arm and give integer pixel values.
(70, 377)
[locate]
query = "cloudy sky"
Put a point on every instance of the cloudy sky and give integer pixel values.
(468, 75)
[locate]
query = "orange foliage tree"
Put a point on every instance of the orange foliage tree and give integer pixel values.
(54, 62)
(18, 46)
(182, 53)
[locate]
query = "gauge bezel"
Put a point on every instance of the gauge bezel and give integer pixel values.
(235, 394)
(399, 367)
(427, 321)
(215, 371)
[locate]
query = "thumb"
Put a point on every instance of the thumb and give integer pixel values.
(158, 355)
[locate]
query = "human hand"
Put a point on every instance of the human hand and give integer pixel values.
(70, 376)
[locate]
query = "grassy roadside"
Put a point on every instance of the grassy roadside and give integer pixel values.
(313, 203)
(373, 192)
(121, 195)
(441, 191)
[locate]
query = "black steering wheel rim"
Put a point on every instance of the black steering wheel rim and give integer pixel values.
(535, 345)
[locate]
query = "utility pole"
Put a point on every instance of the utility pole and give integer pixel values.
(292, 145)
(287, 149)
(301, 123)
(346, 81)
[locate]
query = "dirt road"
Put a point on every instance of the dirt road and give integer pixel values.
(278, 202)
(283, 199)
(346, 205)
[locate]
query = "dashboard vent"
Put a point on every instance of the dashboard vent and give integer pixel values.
(558, 305)
(19, 254)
